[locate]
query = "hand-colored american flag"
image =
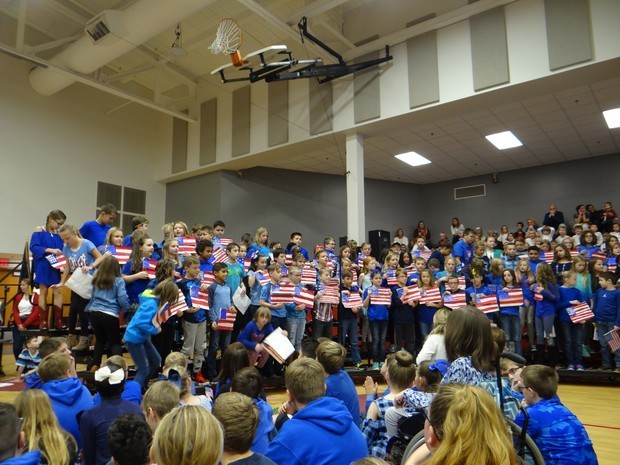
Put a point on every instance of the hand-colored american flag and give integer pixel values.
(149, 266)
(282, 294)
(58, 262)
(303, 296)
(187, 244)
(613, 339)
(219, 256)
(579, 313)
(462, 284)
(574, 253)
(391, 278)
(510, 298)
(611, 263)
(227, 320)
(412, 273)
(547, 257)
(289, 260)
(263, 278)
(122, 254)
(224, 242)
(168, 311)
(598, 256)
(207, 278)
(246, 264)
(330, 295)
(411, 295)
(199, 299)
(380, 296)
(308, 276)
(351, 299)
(454, 301)
(488, 304)
(538, 296)
(429, 295)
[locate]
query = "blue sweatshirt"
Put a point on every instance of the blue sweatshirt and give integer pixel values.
(266, 430)
(69, 397)
(340, 385)
(135, 288)
(30, 458)
(547, 306)
(375, 312)
(220, 297)
(141, 327)
(131, 392)
(607, 306)
(109, 301)
(323, 432)
(190, 288)
(251, 335)
(567, 294)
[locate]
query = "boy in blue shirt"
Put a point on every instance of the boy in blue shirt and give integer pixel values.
(463, 250)
(204, 250)
(194, 318)
(220, 297)
(607, 315)
(96, 230)
(573, 332)
(29, 358)
(559, 435)
(218, 231)
(534, 255)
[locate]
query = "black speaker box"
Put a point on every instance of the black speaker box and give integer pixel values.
(379, 240)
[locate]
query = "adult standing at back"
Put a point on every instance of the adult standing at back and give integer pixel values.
(464, 249)
(96, 230)
(399, 236)
(553, 217)
(422, 231)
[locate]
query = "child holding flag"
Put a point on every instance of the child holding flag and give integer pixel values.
(144, 324)
(220, 298)
(573, 332)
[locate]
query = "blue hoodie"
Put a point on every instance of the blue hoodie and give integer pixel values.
(141, 327)
(265, 430)
(340, 386)
(322, 433)
(31, 458)
(33, 381)
(69, 397)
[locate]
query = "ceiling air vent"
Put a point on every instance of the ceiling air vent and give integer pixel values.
(467, 192)
(107, 23)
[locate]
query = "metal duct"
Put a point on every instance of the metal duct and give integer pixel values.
(134, 26)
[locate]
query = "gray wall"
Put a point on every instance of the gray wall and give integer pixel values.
(315, 204)
(523, 193)
(286, 201)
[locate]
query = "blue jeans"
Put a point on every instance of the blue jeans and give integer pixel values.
(573, 335)
(217, 340)
(544, 326)
(425, 329)
(378, 330)
(349, 329)
(296, 328)
(146, 358)
(511, 324)
(604, 327)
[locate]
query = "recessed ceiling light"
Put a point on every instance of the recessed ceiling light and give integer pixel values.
(413, 159)
(612, 117)
(504, 140)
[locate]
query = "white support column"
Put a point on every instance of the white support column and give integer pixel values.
(356, 213)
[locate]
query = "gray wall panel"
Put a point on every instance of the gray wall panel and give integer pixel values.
(179, 145)
(321, 106)
(366, 91)
(241, 121)
(277, 132)
(569, 32)
(423, 75)
(208, 131)
(489, 49)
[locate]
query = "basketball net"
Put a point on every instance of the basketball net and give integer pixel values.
(228, 39)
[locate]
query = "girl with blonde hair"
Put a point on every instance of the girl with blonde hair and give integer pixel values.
(42, 430)
(188, 435)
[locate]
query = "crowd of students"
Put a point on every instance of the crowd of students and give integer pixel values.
(407, 297)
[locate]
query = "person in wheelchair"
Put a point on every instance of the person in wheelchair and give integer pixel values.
(464, 425)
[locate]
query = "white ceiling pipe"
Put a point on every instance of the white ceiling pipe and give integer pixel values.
(141, 21)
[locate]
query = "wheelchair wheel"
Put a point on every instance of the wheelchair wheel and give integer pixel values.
(416, 442)
(528, 451)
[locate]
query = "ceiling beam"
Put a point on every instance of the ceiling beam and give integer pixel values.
(314, 9)
(433, 24)
(21, 24)
(52, 44)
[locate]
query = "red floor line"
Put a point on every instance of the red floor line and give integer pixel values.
(602, 426)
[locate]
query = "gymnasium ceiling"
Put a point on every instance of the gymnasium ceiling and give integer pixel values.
(557, 118)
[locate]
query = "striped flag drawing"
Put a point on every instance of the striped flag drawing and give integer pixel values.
(413, 294)
(330, 295)
(187, 244)
(613, 339)
(580, 313)
(303, 296)
(58, 262)
(227, 320)
(431, 294)
(308, 276)
(381, 296)
(199, 299)
(391, 279)
(548, 257)
(289, 260)
(263, 279)
(453, 301)
(207, 278)
(488, 303)
(412, 273)
(351, 299)
(224, 242)
(598, 256)
(510, 298)
(246, 264)
(538, 296)
(168, 311)
(219, 256)
(180, 306)
(574, 253)
(149, 266)
(282, 295)
(611, 263)
(122, 254)
(462, 283)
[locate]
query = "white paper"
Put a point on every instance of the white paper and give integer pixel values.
(279, 345)
(241, 301)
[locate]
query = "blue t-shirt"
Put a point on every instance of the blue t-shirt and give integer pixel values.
(463, 251)
(94, 232)
(236, 273)
(82, 256)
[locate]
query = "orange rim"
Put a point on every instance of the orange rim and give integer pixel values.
(236, 58)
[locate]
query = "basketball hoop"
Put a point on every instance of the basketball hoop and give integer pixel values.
(228, 39)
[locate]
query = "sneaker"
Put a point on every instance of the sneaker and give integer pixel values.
(571, 368)
(580, 368)
(200, 379)
(375, 366)
(358, 366)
